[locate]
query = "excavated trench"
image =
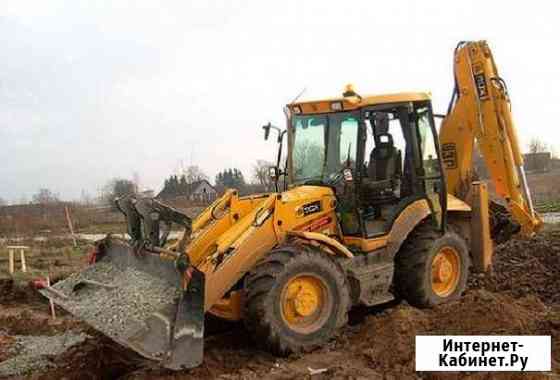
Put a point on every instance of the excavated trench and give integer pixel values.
(521, 296)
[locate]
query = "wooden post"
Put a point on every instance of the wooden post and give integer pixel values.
(51, 303)
(70, 225)
(11, 253)
(22, 258)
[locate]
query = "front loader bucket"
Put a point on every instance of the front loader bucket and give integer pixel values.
(136, 298)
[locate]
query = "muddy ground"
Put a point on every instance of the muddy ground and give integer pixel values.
(521, 296)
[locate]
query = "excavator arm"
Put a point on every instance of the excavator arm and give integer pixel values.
(480, 112)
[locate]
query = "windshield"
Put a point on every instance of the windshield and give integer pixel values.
(323, 145)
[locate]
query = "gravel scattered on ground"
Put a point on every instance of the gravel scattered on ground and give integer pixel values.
(35, 352)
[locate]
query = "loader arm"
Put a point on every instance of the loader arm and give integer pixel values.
(480, 111)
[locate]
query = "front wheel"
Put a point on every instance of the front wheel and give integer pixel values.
(431, 268)
(297, 299)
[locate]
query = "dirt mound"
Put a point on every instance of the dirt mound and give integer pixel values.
(523, 267)
(96, 358)
(14, 292)
(387, 340)
(10, 293)
(6, 342)
(483, 313)
(18, 321)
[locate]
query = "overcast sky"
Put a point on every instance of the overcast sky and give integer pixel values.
(91, 90)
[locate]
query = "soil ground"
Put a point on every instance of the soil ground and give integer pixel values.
(521, 296)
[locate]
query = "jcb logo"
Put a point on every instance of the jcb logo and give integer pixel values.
(449, 155)
(311, 208)
(481, 87)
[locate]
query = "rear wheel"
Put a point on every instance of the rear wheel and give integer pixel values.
(297, 299)
(431, 268)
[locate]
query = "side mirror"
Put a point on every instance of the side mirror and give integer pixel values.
(266, 130)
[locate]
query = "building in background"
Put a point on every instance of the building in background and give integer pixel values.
(537, 162)
(199, 191)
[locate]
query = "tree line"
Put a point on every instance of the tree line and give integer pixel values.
(173, 185)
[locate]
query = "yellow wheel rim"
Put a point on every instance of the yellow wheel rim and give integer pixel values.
(305, 302)
(446, 271)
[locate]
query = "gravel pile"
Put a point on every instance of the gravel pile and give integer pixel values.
(36, 352)
(119, 311)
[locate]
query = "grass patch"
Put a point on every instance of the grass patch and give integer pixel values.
(115, 228)
(551, 206)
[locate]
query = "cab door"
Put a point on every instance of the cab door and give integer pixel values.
(431, 171)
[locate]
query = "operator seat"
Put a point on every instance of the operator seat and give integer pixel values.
(383, 172)
(384, 160)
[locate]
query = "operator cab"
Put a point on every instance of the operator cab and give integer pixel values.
(389, 143)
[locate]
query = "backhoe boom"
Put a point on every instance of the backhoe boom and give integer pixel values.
(480, 110)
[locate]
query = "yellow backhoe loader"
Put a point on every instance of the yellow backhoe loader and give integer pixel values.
(371, 204)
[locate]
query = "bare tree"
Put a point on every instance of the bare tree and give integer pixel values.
(536, 145)
(261, 174)
(194, 173)
(45, 196)
(117, 187)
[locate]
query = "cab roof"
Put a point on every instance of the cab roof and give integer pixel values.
(352, 102)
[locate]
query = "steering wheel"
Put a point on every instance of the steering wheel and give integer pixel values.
(335, 178)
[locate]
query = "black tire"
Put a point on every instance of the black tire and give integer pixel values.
(265, 289)
(413, 266)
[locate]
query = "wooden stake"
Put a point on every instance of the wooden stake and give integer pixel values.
(22, 258)
(51, 303)
(12, 250)
(11, 253)
(70, 225)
